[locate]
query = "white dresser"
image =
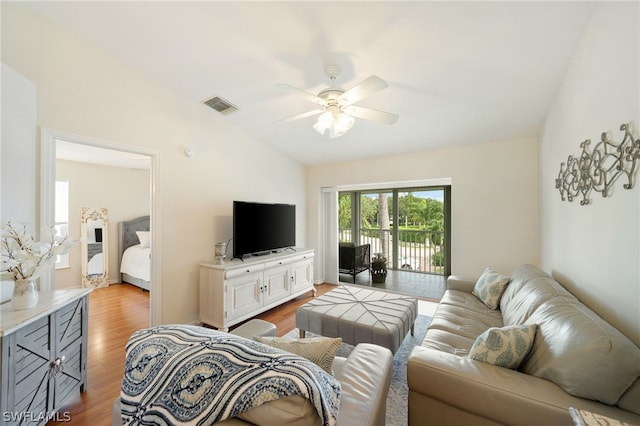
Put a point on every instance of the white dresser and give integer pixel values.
(240, 289)
(44, 356)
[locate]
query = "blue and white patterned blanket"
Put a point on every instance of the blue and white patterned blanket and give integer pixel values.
(181, 374)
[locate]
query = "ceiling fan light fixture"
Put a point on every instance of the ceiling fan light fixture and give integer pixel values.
(325, 120)
(342, 124)
(337, 124)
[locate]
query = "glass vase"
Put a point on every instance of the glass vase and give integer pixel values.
(25, 294)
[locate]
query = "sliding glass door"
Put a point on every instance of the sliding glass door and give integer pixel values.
(408, 226)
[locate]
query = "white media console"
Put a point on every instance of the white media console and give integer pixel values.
(240, 289)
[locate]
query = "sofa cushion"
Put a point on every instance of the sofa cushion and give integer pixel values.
(319, 350)
(517, 308)
(292, 410)
(458, 320)
(490, 287)
(464, 314)
(447, 341)
(581, 353)
(505, 347)
(467, 301)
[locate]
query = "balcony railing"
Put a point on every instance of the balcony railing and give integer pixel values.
(419, 251)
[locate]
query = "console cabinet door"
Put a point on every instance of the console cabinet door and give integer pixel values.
(244, 294)
(277, 284)
(302, 275)
(70, 352)
(28, 380)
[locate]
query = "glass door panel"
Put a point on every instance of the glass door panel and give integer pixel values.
(345, 217)
(376, 218)
(420, 231)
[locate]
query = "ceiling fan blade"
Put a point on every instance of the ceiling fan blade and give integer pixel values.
(371, 114)
(310, 96)
(370, 85)
(299, 116)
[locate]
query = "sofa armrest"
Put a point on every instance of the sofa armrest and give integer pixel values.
(495, 393)
(365, 378)
(455, 282)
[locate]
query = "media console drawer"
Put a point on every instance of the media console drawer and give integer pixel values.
(236, 272)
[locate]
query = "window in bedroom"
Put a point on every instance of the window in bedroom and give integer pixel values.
(62, 218)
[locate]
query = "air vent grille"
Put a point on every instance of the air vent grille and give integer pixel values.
(221, 105)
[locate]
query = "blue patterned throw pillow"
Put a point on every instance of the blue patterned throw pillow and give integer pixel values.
(505, 347)
(490, 286)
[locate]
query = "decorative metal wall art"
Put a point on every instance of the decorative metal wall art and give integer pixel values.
(599, 169)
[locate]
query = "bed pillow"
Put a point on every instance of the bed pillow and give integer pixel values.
(505, 347)
(319, 350)
(144, 238)
(489, 287)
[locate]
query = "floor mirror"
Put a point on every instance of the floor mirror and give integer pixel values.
(95, 247)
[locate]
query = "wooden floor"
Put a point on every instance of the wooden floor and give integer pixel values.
(114, 314)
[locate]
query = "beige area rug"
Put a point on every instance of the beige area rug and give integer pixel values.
(398, 391)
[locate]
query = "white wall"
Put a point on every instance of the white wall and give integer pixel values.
(494, 199)
(594, 250)
(125, 193)
(85, 91)
(18, 183)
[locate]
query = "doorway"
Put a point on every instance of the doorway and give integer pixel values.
(49, 140)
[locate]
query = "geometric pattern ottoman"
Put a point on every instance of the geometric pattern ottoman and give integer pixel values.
(359, 315)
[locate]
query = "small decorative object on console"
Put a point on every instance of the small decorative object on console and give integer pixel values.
(221, 253)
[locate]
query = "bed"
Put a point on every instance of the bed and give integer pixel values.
(135, 252)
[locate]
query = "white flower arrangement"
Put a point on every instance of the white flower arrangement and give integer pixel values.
(23, 257)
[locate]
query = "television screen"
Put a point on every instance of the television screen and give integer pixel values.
(260, 228)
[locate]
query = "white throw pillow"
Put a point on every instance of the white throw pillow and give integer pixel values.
(490, 286)
(505, 347)
(145, 238)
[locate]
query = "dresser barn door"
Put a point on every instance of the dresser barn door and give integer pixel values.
(68, 357)
(29, 355)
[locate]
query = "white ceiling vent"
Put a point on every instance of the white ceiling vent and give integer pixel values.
(221, 105)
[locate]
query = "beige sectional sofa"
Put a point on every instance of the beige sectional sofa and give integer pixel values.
(577, 360)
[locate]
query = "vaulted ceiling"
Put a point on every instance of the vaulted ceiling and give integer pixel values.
(458, 72)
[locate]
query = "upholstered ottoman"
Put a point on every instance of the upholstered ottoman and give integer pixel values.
(359, 315)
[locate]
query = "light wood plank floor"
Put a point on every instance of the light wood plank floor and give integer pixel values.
(115, 313)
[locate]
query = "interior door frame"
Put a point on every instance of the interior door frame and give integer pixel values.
(48, 138)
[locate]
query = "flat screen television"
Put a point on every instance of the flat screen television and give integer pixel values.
(260, 228)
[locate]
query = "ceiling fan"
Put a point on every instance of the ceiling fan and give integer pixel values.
(336, 107)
